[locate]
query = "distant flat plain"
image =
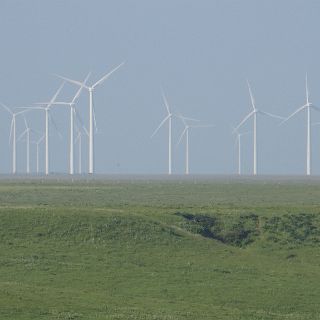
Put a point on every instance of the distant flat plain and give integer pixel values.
(159, 247)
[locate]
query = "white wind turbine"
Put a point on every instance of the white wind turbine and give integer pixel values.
(13, 135)
(91, 110)
(307, 106)
(238, 142)
(185, 132)
(73, 113)
(254, 113)
(37, 144)
(26, 133)
(168, 118)
(47, 109)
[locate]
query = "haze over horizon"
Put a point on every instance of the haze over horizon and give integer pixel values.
(200, 52)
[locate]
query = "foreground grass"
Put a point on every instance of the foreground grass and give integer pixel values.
(159, 250)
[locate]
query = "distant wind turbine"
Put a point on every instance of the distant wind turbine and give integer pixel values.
(168, 118)
(27, 133)
(91, 111)
(238, 142)
(185, 133)
(47, 110)
(254, 113)
(13, 135)
(38, 143)
(307, 106)
(73, 113)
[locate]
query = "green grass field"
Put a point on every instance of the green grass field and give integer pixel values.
(203, 249)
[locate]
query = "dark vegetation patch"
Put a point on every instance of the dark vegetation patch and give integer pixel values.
(237, 232)
(293, 228)
(242, 230)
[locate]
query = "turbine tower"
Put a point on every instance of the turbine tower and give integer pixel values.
(254, 113)
(79, 141)
(307, 106)
(13, 135)
(169, 119)
(91, 111)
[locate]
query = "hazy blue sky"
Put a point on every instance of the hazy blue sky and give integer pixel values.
(201, 52)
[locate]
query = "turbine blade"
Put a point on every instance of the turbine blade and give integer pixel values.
(41, 139)
(160, 125)
(316, 108)
(55, 125)
(107, 75)
(271, 115)
(35, 131)
(21, 112)
(77, 95)
(244, 120)
(182, 134)
(78, 83)
(32, 108)
(251, 96)
(181, 117)
(79, 119)
(203, 126)
(292, 115)
(65, 104)
(25, 122)
(234, 130)
(166, 102)
(22, 134)
(80, 89)
(6, 108)
(56, 94)
(191, 119)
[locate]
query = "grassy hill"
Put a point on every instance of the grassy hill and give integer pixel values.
(226, 249)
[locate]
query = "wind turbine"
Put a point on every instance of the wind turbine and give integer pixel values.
(26, 133)
(37, 143)
(91, 110)
(185, 132)
(254, 113)
(308, 106)
(13, 133)
(238, 142)
(47, 109)
(72, 105)
(169, 119)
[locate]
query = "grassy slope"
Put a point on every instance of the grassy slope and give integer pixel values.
(117, 250)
